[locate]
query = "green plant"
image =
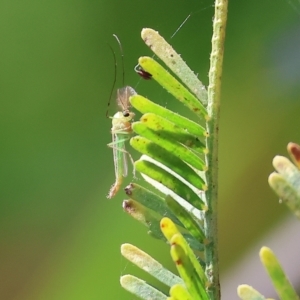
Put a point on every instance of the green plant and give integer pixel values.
(180, 160)
(285, 183)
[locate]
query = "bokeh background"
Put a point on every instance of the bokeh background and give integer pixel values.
(59, 235)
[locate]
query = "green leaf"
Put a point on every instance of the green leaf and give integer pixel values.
(174, 236)
(169, 144)
(179, 292)
(140, 288)
(195, 245)
(186, 219)
(147, 217)
(280, 281)
(144, 105)
(149, 265)
(173, 86)
(151, 217)
(187, 272)
(151, 201)
(247, 292)
(171, 130)
(286, 192)
(286, 183)
(288, 170)
(171, 182)
(174, 61)
(149, 148)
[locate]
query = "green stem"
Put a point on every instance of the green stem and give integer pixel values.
(214, 94)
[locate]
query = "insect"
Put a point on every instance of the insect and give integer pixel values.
(121, 130)
(139, 70)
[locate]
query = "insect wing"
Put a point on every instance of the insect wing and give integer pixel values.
(125, 165)
(123, 96)
(115, 154)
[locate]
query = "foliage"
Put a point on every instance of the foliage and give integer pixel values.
(285, 183)
(179, 159)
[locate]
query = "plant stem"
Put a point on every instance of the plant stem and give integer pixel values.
(214, 95)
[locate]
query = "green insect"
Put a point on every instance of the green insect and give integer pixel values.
(121, 132)
(121, 128)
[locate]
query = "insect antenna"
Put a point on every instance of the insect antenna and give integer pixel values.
(123, 70)
(140, 71)
(180, 25)
(145, 75)
(122, 57)
(114, 82)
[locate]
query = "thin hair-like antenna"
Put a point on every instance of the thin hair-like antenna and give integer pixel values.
(123, 72)
(122, 56)
(191, 14)
(115, 79)
(139, 70)
(181, 25)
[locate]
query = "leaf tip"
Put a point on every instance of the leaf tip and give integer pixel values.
(265, 251)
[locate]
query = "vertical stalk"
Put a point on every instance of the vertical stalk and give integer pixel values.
(214, 94)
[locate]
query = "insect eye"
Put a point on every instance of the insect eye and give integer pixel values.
(126, 113)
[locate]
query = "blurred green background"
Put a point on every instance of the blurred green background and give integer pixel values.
(60, 236)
